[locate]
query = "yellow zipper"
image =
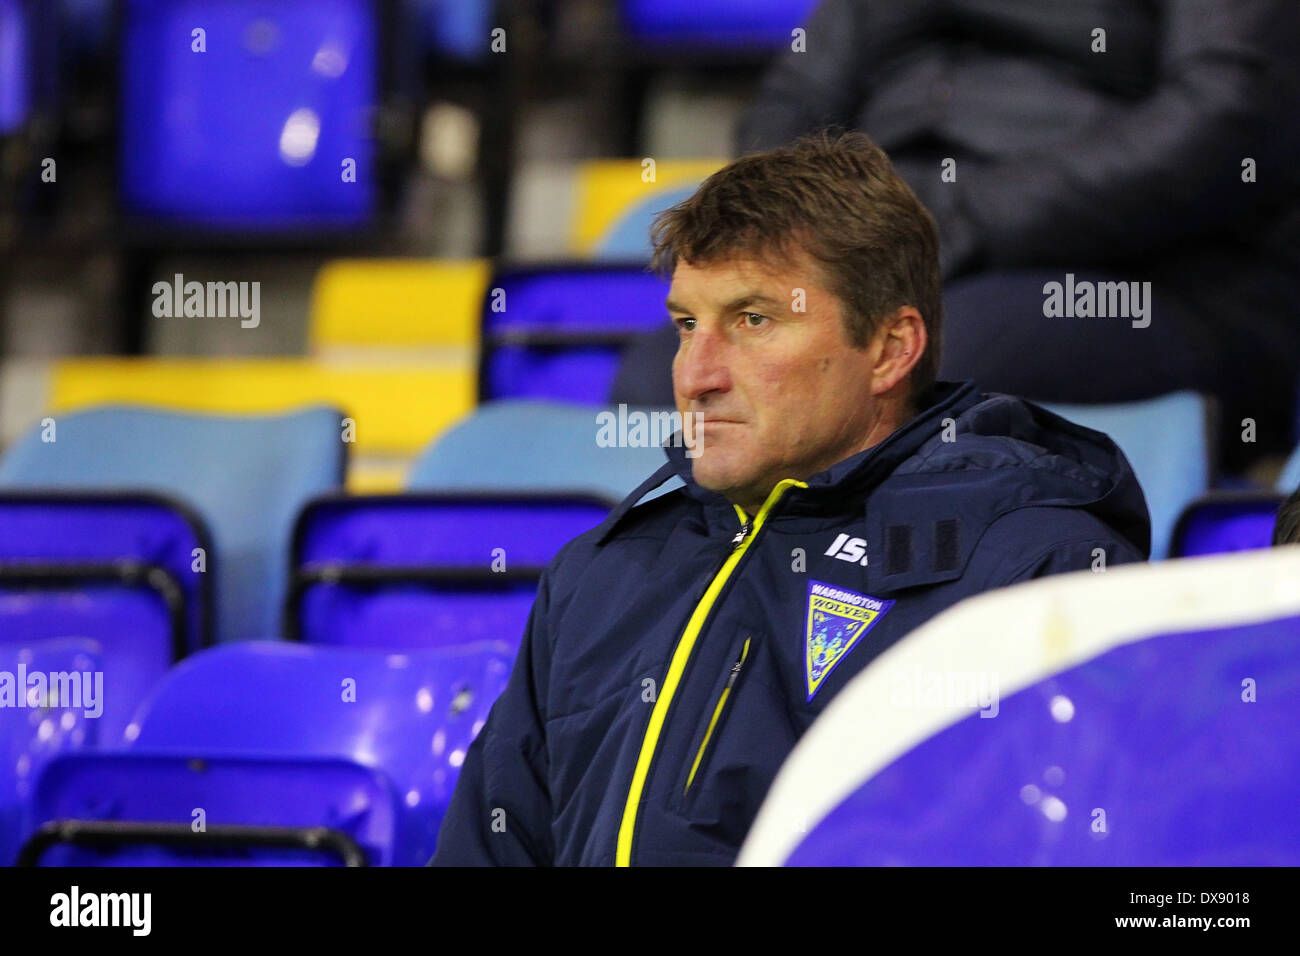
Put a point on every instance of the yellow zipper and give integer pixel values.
(717, 712)
(677, 666)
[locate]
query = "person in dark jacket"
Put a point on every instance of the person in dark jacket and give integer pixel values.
(1111, 140)
(835, 496)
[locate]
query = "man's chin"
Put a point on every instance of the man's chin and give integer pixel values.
(730, 482)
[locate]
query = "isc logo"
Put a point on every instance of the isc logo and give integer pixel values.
(849, 549)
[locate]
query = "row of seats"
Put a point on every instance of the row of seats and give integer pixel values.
(256, 123)
(242, 484)
(153, 534)
(179, 529)
(404, 373)
(258, 752)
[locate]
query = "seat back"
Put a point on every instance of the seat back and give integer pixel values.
(544, 446)
(557, 332)
(149, 531)
(1167, 440)
(1289, 478)
(1222, 522)
(35, 724)
(135, 618)
(722, 23)
(457, 29)
(616, 199)
(396, 305)
(254, 133)
(410, 715)
(424, 570)
(628, 236)
(246, 478)
(1132, 729)
(15, 65)
(140, 809)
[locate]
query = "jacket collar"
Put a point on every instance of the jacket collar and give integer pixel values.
(846, 480)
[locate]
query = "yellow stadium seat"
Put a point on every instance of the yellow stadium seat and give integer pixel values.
(398, 407)
(421, 303)
(376, 476)
(608, 188)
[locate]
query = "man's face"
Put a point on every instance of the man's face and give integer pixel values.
(780, 393)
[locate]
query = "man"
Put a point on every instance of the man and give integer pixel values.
(839, 498)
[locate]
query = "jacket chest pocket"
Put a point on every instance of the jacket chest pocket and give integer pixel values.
(717, 714)
(737, 743)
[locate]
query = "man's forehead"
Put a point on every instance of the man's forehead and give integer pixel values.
(735, 278)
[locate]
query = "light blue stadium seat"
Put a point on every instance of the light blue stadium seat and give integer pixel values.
(246, 476)
(1141, 717)
(628, 237)
(253, 131)
(1167, 441)
(409, 717)
(520, 446)
(1289, 480)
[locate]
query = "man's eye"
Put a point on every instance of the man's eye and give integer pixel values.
(753, 319)
(686, 324)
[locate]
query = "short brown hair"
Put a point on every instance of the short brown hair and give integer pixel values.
(837, 195)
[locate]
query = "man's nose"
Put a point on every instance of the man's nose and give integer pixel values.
(701, 366)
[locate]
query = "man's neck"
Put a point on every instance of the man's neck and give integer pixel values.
(885, 425)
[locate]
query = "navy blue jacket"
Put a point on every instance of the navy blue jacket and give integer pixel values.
(677, 652)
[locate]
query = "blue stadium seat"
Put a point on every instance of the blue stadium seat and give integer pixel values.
(426, 570)
(1222, 522)
(116, 569)
(1167, 441)
(31, 735)
(558, 332)
(1143, 717)
(127, 535)
(246, 477)
(128, 809)
(252, 132)
(136, 619)
(16, 64)
(410, 717)
(458, 29)
(765, 23)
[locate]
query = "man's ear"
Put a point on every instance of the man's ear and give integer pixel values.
(900, 343)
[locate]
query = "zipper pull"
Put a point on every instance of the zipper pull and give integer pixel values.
(741, 535)
(717, 712)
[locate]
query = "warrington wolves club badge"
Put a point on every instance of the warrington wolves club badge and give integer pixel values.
(837, 619)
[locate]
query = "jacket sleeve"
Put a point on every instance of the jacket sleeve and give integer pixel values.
(1144, 176)
(1153, 172)
(500, 811)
